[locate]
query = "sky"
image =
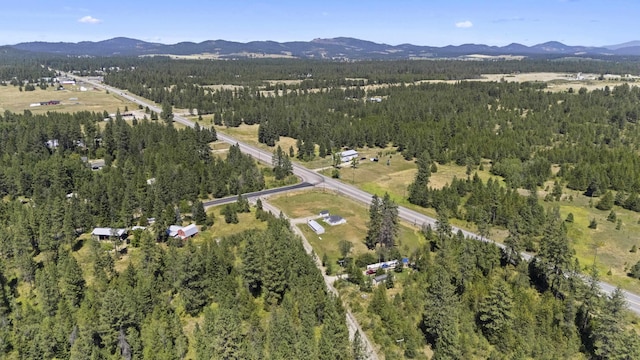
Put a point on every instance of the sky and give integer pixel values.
(419, 22)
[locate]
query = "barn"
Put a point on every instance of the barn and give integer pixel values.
(317, 228)
(188, 231)
(346, 156)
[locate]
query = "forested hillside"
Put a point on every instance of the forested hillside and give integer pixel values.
(61, 296)
(257, 295)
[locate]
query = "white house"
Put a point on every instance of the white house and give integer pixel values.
(334, 220)
(107, 233)
(317, 228)
(346, 156)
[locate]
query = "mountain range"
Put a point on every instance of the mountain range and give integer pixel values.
(341, 48)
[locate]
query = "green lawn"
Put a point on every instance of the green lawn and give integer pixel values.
(606, 245)
(220, 228)
(310, 203)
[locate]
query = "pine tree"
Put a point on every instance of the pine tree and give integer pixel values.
(242, 204)
(555, 254)
(375, 223)
(440, 317)
(230, 214)
(418, 193)
(495, 312)
(73, 283)
(199, 214)
(274, 274)
(610, 339)
(359, 349)
(281, 164)
(253, 262)
(334, 336)
(443, 228)
(390, 225)
(606, 201)
(513, 244)
(192, 284)
(167, 113)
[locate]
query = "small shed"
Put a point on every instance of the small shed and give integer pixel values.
(317, 228)
(52, 144)
(97, 164)
(188, 231)
(324, 213)
(108, 233)
(380, 279)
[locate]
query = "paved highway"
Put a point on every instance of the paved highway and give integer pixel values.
(316, 179)
(257, 194)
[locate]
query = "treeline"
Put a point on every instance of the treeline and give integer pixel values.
(23, 70)
(256, 71)
(178, 81)
(248, 296)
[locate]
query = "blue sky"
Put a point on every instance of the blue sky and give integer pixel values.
(420, 22)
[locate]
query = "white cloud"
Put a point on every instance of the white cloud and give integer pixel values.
(464, 24)
(89, 20)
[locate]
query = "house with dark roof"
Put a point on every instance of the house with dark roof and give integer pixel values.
(380, 279)
(334, 220)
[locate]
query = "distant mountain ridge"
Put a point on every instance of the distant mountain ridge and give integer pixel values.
(340, 48)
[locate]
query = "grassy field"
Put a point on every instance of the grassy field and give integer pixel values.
(606, 245)
(221, 229)
(72, 100)
(308, 204)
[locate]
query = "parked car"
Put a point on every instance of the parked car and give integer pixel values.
(371, 272)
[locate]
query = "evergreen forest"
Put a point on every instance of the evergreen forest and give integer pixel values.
(257, 294)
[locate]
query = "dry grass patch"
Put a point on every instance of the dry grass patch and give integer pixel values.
(72, 100)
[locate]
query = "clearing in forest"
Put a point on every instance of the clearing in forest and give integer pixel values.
(308, 204)
(72, 99)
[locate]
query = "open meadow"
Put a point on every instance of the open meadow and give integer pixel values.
(72, 99)
(308, 204)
